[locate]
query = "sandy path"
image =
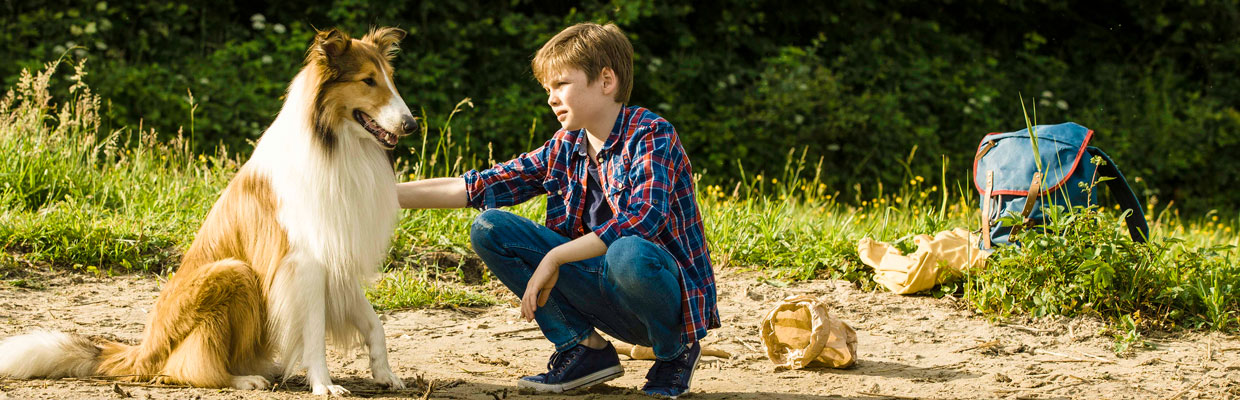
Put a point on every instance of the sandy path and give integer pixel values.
(910, 347)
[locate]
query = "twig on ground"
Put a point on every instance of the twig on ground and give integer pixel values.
(1028, 329)
(1071, 357)
(120, 392)
(1099, 358)
(985, 345)
(1189, 388)
(432, 328)
(1042, 390)
(430, 387)
(747, 345)
(473, 372)
(515, 331)
(892, 396)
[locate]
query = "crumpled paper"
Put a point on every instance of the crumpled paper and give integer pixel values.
(936, 259)
(799, 332)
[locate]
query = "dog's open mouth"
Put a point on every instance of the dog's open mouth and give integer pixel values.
(385, 138)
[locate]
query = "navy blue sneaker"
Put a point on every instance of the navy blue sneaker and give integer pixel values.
(671, 378)
(574, 368)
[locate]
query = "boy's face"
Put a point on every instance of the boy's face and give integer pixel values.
(577, 102)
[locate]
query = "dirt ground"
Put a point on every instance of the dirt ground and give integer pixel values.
(909, 347)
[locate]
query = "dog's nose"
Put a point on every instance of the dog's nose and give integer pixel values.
(409, 124)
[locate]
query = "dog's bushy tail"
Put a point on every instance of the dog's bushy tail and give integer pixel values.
(48, 354)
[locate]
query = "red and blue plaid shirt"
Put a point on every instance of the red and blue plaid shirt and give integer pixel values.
(647, 180)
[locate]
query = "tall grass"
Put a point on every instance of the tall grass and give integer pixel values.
(76, 197)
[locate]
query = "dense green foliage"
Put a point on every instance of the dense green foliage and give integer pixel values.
(857, 83)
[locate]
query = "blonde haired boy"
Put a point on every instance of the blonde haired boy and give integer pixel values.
(622, 249)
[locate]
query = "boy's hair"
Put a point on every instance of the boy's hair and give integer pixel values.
(589, 47)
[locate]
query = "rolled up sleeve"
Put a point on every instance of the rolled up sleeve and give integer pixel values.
(508, 183)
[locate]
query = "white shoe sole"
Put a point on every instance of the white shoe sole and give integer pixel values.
(595, 378)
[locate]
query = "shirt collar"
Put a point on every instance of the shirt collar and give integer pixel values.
(619, 126)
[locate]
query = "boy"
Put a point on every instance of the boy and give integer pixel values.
(623, 248)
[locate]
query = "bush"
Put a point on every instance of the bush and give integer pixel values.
(858, 83)
(1083, 262)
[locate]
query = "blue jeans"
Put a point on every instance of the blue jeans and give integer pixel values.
(632, 293)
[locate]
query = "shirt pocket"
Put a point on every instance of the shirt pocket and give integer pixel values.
(618, 190)
(557, 194)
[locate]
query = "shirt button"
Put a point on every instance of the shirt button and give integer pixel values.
(561, 192)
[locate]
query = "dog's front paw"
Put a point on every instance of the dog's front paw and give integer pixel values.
(387, 378)
(251, 382)
(333, 390)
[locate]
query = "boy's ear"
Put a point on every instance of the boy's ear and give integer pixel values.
(386, 39)
(607, 78)
(329, 45)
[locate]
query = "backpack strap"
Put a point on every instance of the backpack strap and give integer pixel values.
(1035, 188)
(990, 186)
(990, 144)
(1123, 194)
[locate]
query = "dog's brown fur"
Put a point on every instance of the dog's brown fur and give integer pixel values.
(209, 322)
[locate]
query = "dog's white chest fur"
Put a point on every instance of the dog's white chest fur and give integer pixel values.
(338, 209)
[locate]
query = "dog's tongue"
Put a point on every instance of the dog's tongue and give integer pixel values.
(382, 134)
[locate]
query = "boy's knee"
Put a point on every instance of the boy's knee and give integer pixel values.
(480, 233)
(631, 259)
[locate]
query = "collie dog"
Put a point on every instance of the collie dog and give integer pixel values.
(279, 264)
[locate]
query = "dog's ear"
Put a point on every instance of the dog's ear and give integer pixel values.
(387, 40)
(329, 45)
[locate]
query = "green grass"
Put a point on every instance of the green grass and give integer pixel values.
(75, 197)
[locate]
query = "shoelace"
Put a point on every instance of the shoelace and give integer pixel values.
(662, 375)
(559, 360)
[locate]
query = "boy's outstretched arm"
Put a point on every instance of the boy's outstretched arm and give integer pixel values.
(432, 193)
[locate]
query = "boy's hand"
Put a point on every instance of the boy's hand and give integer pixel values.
(539, 287)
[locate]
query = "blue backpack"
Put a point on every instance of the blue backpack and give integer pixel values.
(1008, 177)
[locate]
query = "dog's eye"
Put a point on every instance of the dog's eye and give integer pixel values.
(369, 81)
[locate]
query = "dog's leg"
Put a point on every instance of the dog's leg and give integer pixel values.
(221, 309)
(313, 283)
(367, 322)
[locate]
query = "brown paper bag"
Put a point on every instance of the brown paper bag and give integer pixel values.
(800, 332)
